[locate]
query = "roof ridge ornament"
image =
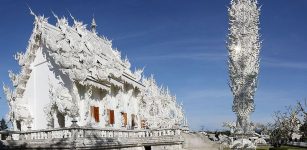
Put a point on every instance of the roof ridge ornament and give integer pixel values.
(31, 12)
(39, 19)
(56, 16)
(93, 25)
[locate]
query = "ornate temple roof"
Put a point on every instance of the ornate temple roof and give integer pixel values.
(80, 53)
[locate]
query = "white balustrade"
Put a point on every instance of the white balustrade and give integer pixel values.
(81, 132)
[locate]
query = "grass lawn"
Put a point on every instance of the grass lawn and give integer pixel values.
(281, 148)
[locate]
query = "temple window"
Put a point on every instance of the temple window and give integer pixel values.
(143, 124)
(111, 116)
(132, 120)
(95, 113)
(124, 119)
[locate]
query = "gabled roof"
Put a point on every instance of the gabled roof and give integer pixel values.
(85, 56)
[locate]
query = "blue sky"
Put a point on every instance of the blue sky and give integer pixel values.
(183, 44)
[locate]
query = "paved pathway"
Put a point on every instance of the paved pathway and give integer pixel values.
(198, 141)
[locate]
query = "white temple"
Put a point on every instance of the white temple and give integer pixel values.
(70, 74)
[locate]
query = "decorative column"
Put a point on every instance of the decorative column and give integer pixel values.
(244, 48)
(75, 108)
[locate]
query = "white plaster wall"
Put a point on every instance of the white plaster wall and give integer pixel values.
(121, 102)
(41, 87)
(37, 89)
(83, 106)
(41, 90)
(29, 96)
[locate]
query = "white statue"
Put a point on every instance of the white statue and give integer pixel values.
(244, 49)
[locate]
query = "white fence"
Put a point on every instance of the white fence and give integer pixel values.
(298, 144)
(83, 132)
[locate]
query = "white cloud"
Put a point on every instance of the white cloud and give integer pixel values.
(271, 62)
(203, 56)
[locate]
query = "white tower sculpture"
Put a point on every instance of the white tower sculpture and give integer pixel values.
(244, 48)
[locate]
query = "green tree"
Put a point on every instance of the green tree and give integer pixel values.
(3, 124)
(303, 129)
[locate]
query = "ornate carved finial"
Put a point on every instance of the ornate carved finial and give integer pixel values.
(56, 16)
(93, 25)
(31, 12)
(73, 18)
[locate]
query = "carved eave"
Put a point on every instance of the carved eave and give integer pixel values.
(132, 80)
(102, 86)
(111, 80)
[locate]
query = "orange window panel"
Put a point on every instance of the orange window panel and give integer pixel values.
(92, 111)
(96, 114)
(124, 115)
(111, 117)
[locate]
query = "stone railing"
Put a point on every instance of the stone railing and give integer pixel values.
(298, 144)
(83, 132)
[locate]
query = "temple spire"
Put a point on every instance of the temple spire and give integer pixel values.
(244, 49)
(93, 25)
